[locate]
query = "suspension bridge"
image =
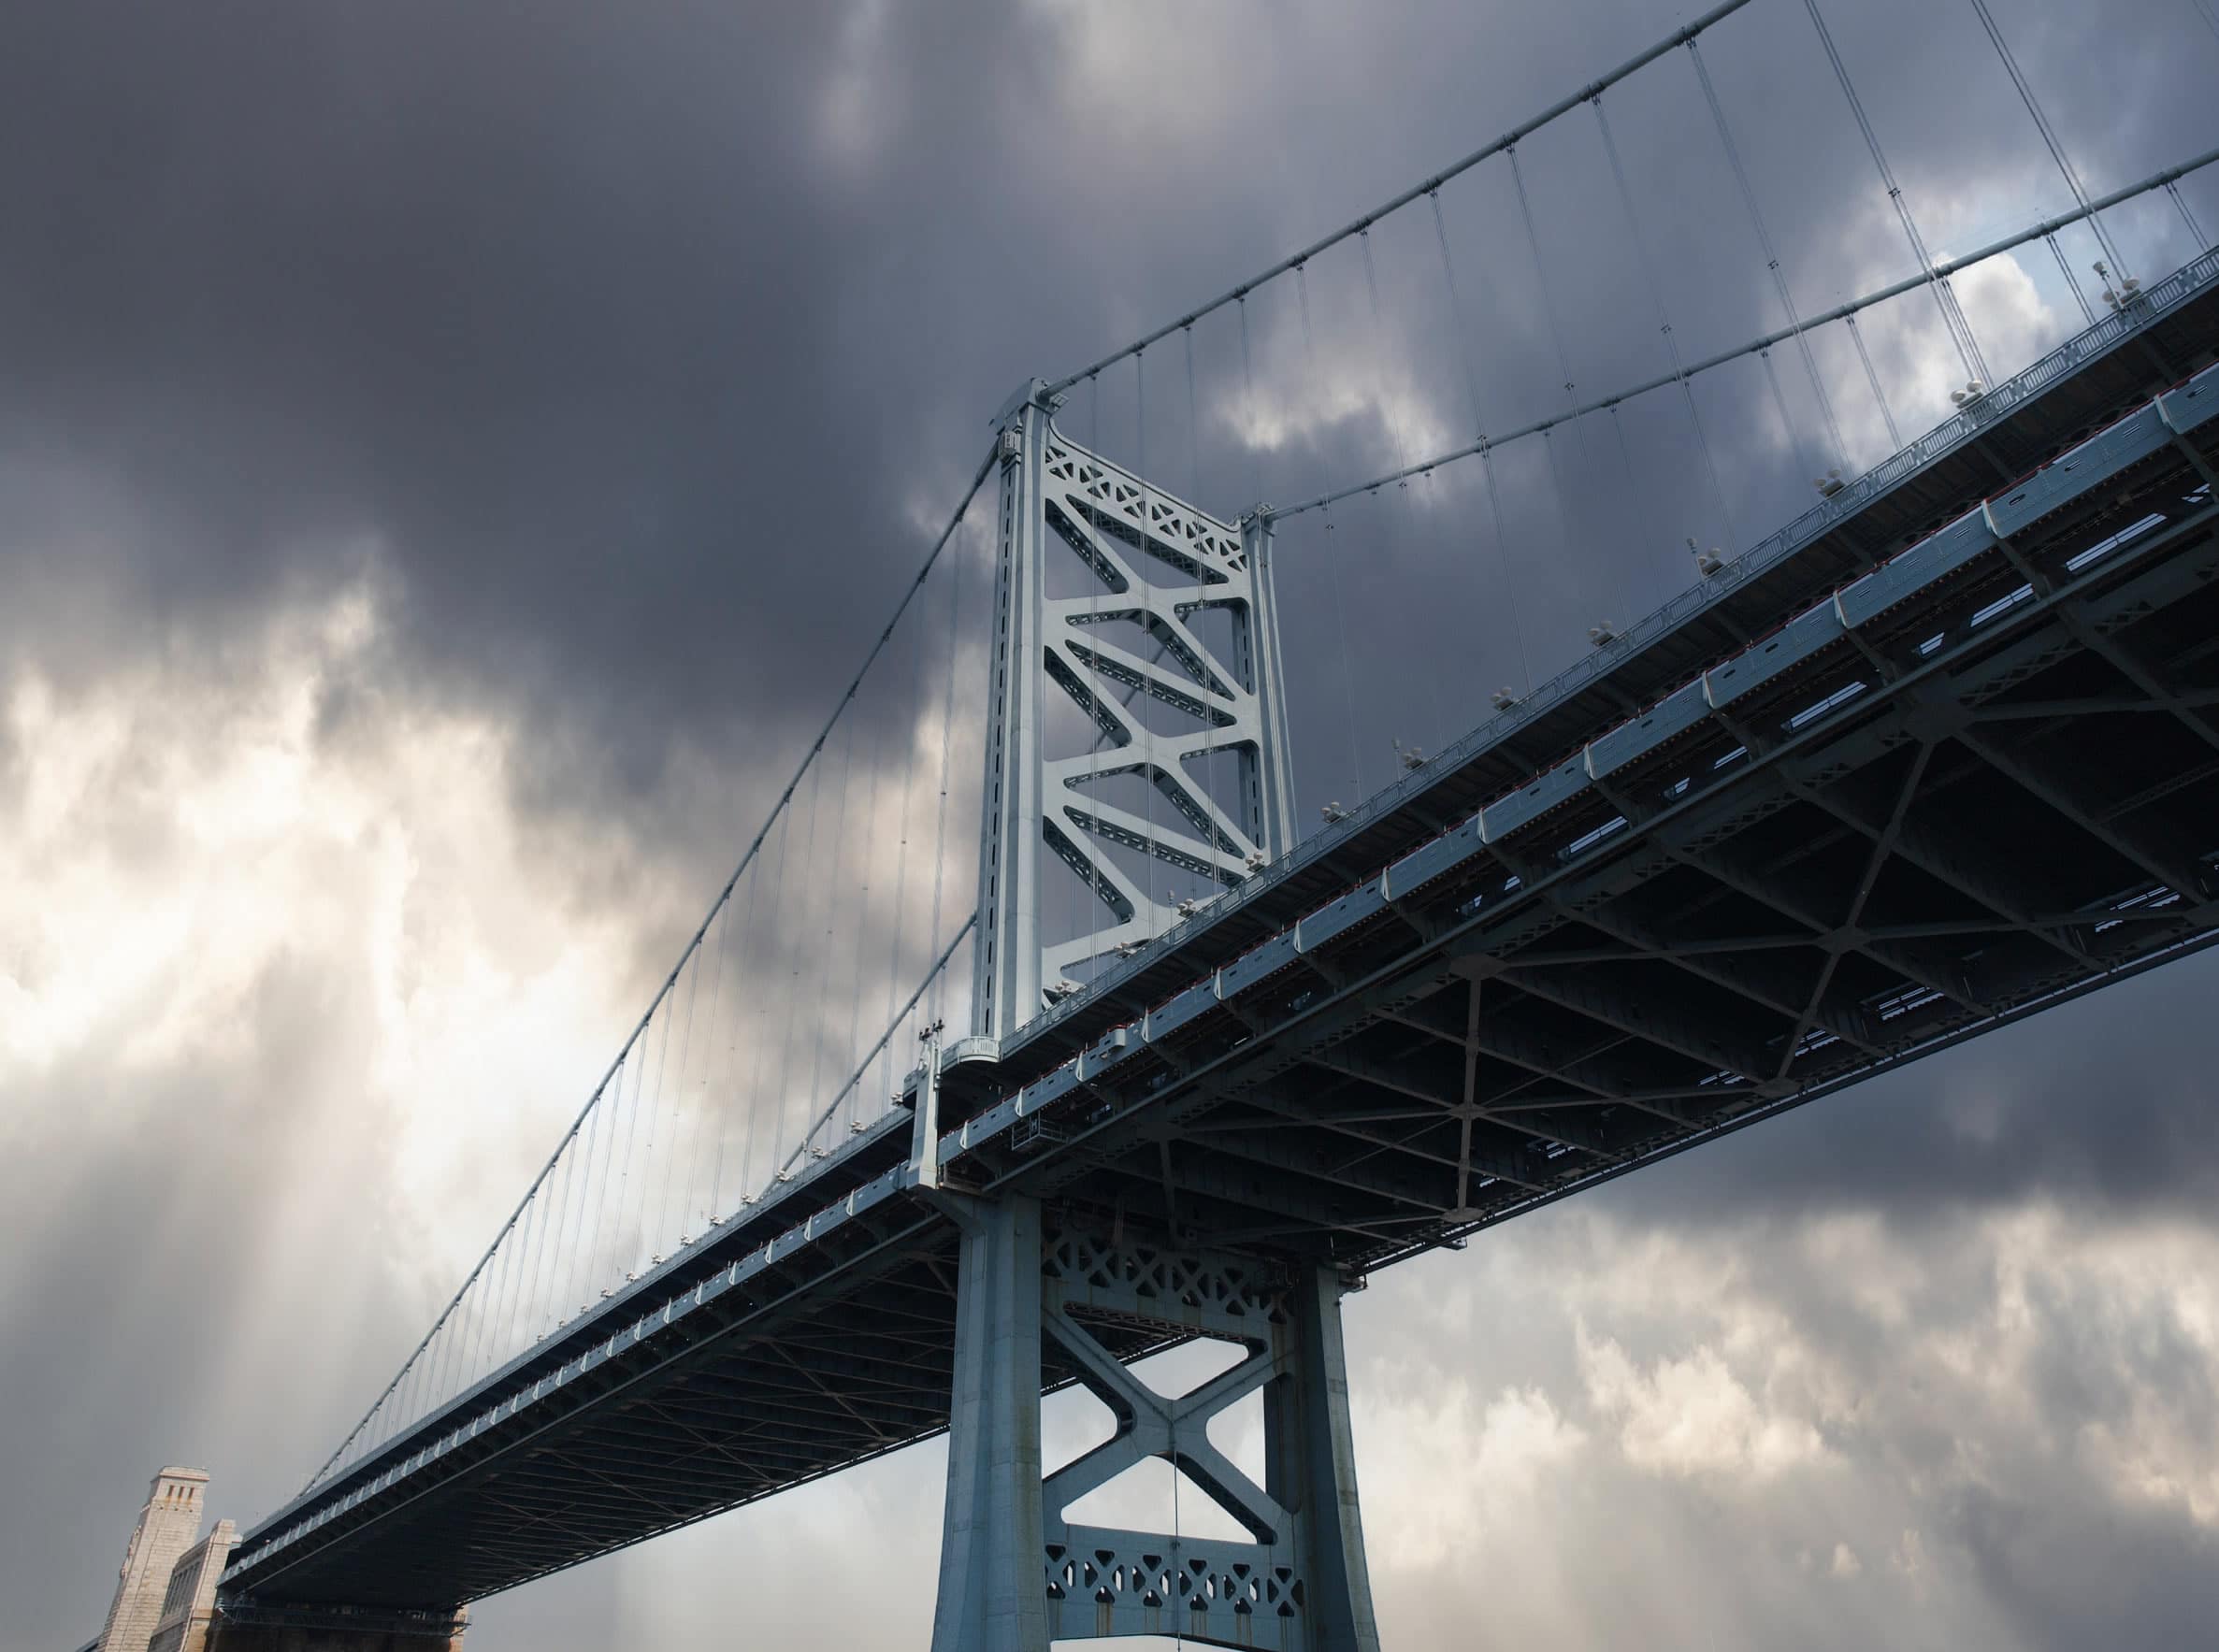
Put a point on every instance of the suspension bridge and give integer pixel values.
(908, 1138)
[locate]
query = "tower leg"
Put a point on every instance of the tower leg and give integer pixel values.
(991, 1596)
(1014, 1572)
(1310, 1462)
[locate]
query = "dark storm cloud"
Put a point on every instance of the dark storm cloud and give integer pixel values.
(597, 328)
(620, 348)
(634, 342)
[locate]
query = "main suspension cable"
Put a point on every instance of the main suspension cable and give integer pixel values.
(778, 810)
(1294, 261)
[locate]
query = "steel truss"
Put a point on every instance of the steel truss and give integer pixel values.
(1014, 1574)
(1152, 562)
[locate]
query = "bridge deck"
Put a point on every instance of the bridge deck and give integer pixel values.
(1940, 754)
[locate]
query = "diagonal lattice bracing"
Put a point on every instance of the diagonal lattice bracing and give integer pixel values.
(1016, 1574)
(1157, 569)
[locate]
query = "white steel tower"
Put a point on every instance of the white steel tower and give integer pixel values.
(1149, 561)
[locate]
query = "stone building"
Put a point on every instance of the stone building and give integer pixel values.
(167, 1527)
(188, 1608)
(166, 1602)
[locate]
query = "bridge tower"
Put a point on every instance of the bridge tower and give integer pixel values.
(1041, 1296)
(1165, 581)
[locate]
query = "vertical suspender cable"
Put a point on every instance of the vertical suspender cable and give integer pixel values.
(551, 1246)
(485, 1352)
(613, 1105)
(1563, 362)
(947, 737)
(1656, 293)
(1495, 497)
(2172, 188)
(581, 1206)
(707, 1114)
(1779, 277)
(915, 700)
(1780, 404)
(551, 1241)
(620, 1247)
(1193, 425)
(730, 1087)
(793, 1004)
(855, 1002)
(1440, 735)
(480, 1327)
(460, 1330)
(686, 1049)
(477, 1345)
(1864, 356)
(761, 1039)
(650, 1101)
(839, 848)
(493, 1351)
(1395, 425)
(2049, 136)
(1945, 296)
(1333, 561)
(2072, 280)
(1248, 386)
(595, 1151)
(1625, 465)
(1575, 553)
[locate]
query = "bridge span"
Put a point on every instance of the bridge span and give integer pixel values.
(1941, 754)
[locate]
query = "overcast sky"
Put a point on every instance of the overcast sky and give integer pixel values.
(450, 458)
